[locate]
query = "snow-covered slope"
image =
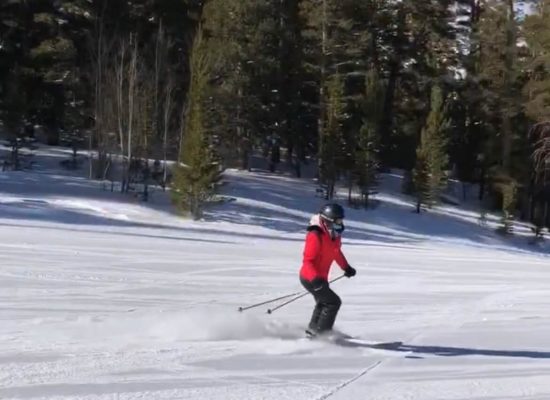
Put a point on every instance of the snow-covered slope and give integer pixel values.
(108, 298)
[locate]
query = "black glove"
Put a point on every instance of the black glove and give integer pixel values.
(350, 271)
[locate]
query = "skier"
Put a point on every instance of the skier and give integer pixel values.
(323, 247)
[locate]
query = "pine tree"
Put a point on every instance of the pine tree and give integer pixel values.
(13, 102)
(509, 203)
(367, 162)
(466, 106)
(331, 141)
(249, 101)
(536, 30)
(39, 54)
(423, 52)
(195, 177)
(336, 41)
(503, 165)
(429, 173)
(366, 157)
(498, 76)
(290, 84)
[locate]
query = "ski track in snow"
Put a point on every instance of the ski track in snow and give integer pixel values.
(124, 302)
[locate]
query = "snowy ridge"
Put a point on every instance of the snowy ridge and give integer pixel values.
(103, 297)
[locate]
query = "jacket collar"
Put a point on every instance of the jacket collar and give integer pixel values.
(315, 223)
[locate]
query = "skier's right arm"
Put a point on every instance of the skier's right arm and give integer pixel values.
(311, 250)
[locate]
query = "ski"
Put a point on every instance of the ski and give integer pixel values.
(345, 340)
(374, 345)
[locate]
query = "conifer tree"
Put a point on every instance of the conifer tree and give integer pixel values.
(429, 173)
(336, 41)
(13, 102)
(499, 80)
(536, 30)
(195, 177)
(509, 203)
(40, 43)
(367, 162)
(498, 76)
(368, 142)
(332, 140)
(468, 111)
(423, 31)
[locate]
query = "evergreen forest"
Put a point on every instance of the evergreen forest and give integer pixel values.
(439, 89)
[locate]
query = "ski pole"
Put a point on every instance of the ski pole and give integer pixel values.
(270, 310)
(277, 299)
(269, 301)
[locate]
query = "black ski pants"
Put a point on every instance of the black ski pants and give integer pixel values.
(327, 304)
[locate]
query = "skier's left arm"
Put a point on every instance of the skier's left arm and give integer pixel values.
(342, 262)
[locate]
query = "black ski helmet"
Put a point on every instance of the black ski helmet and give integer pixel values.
(332, 212)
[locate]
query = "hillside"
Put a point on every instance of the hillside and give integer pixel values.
(107, 297)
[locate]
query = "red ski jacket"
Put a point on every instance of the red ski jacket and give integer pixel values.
(320, 251)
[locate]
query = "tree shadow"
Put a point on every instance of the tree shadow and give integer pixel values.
(43, 211)
(440, 225)
(285, 204)
(125, 234)
(278, 202)
(445, 351)
(48, 178)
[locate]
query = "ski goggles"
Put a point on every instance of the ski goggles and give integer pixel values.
(337, 225)
(337, 221)
(338, 228)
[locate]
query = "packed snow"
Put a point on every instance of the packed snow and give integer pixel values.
(106, 297)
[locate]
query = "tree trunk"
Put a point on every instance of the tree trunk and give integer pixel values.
(120, 112)
(350, 189)
(245, 164)
(511, 43)
(159, 55)
(321, 117)
(98, 101)
(167, 112)
(181, 130)
(386, 120)
(482, 182)
(132, 84)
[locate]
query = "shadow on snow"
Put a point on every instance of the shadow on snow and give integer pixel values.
(448, 351)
